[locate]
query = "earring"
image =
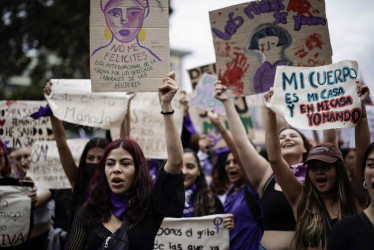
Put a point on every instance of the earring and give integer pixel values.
(364, 185)
(107, 33)
(141, 34)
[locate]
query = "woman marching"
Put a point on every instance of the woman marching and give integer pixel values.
(121, 196)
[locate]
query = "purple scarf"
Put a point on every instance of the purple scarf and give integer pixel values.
(299, 170)
(189, 208)
(120, 203)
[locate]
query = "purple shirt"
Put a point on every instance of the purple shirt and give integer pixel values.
(265, 74)
(247, 233)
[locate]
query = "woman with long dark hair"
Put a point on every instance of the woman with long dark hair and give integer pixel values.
(120, 193)
(326, 195)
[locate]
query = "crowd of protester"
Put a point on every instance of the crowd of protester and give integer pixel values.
(300, 195)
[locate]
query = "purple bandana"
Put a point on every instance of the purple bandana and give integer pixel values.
(120, 203)
(299, 170)
(189, 209)
(42, 112)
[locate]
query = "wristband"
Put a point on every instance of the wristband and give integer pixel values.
(167, 113)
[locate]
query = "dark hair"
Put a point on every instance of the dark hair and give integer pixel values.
(270, 29)
(345, 151)
(81, 183)
(313, 226)
(366, 156)
(204, 203)
(99, 192)
(220, 181)
(5, 171)
(306, 143)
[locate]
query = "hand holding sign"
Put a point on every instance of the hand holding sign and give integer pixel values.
(362, 90)
(220, 91)
(167, 91)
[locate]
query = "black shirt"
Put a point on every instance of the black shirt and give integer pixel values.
(167, 201)
(352, 232)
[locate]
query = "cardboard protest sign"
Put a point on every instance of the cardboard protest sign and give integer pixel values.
(72, 101)
(199, 116)
(206, 232)
(317, 97)
(15, 207)
(129, 45)
(195, 74)
(252, 39)
(17, 128)
(203, 95)
(45, 167)
(147, 124)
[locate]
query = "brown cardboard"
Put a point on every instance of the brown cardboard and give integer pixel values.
(294, 33)
(129, 52)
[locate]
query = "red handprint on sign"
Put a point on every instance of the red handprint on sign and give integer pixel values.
(234, 73)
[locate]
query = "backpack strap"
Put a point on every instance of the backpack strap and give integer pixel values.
(254, 208)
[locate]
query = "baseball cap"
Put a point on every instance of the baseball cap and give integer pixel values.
(326, 152)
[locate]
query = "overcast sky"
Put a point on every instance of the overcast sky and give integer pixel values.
(350, 25)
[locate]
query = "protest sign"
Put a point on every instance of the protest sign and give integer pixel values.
(206, 232)
(72, 101)
(129, 45)
(203, 95)
(317, 98)
(17, 128)
(196, 73)
(45, 167)
(15, 207)
(252, 39)
(200, 118)
(147, 124)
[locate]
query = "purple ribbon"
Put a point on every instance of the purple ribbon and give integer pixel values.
(299, 171)
(42, 112)
(120, 203)
(187, 123)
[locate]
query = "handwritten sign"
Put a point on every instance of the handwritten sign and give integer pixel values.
(15, 207)
(45, 167)
(147, 124)
(203, 95)
(317, 97)
(252, 39)
(129, 45)
(195, 74)
(17, 128)
(206, 232)
(72, 101)
(200, 118)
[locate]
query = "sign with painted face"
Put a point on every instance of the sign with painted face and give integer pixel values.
(317, 98)
(18, 129)
(199, 114)
(45, 167)
(129, 45)
(15, 208)
(147, 124)
(205, 232)
(72, 101)
(252, 39)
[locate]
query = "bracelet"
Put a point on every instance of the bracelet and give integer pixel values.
(167, 113)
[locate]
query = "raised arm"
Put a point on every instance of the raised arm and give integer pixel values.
(226, 135)
(66, 158)
(173, 142)
(125, 125)
(362, 140)
(256, 167)
(291, 187)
